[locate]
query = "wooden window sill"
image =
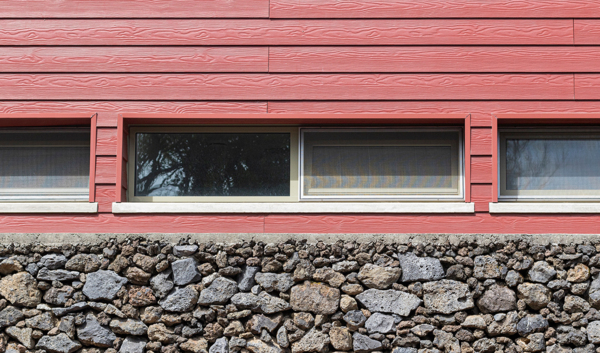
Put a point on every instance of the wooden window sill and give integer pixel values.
(48, 207)
(295, 207)
(545, 207)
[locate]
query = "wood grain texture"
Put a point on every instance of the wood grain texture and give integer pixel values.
(285, 32)
(284, 87)
(479, 223)
(106, 170)
(106, 142)
(433, 8)
(134, 9)
(481, 170)
(134, 59)
(481, 111)
(587, 86)
(105, 196)
(586, 31)
(481, 141)
(481, 195)
(434, 59)
(109, 111)
(109, 223)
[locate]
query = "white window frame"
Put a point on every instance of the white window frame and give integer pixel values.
(431, 196)
(540, 196)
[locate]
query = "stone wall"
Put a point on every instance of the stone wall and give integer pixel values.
(140, 296)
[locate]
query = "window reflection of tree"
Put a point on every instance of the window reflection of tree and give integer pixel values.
(530, 164)
(222, 164)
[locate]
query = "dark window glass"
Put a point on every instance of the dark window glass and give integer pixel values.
(212, 164)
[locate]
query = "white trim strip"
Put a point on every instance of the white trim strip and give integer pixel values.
(48, 207)
(544, 207)
(295, 207)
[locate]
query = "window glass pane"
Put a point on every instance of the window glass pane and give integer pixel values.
(552, 164)
(43, 164)
(379, 163)
(212, 164)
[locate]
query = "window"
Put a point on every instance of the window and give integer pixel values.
(283, 164)
(44, 164)
(547, 164)
(381, 164)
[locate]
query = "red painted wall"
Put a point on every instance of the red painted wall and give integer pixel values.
(480, 58)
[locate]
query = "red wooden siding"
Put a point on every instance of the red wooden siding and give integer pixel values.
(473, 58)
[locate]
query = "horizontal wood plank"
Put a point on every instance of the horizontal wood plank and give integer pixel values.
(587, 86)
(134, 59)
(433, 8)
(284, 87)
(586, 32)
(479, 223)
(434, 59)
(481, 141)
(105, 196)
(481, 195)
(109, 223)
(106, 142)
(285, 32)
(481, 169)
(108, 112)
(134, 9)
(106, 170)
(481, 111)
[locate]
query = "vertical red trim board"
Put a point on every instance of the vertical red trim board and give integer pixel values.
(120, 138)
(467, 158)
(495, 181)
(93, 135)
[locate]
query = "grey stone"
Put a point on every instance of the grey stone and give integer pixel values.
(474, 321)
(447, 296)
(485, 345)
(221, 345)
(219, 292)
(128, 327)
(404, 350)
(60, 343)
(259, 322)
(593, 332)
(416, 268)
(237, 343)
(103, 285)
(45, 274)
(282, 337)
(185, 272)
(10, 316)
(559, 284)
(532, 343)
(246, 278)
(32, 268)
(508, 326)
(422, 330)
(557, 348)
(53, 261)
(270, 304)
(258, 346)
(355, 318)
(389, 301)
(315, 297)
(496, 299)
(84, 263)
(45, 322)
(93, 334)
(345, 266)
(133, 345)
(58, 296)
(185, 250)
(22, 335)
(513, 278)
(362, 343)
(180, 299)
(161, 284)
(531, 324)
(313, 341)
(380, 323)
(575, 304)
(541, 272)
(594, 293)
(486, 267)
(72, 309)
(246, 301)
(537, 296)
(271, 281)
(378, 277)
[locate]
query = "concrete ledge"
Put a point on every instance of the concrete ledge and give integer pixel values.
(296, 207)
(544, 207)
(48, 207)
(57, 239)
